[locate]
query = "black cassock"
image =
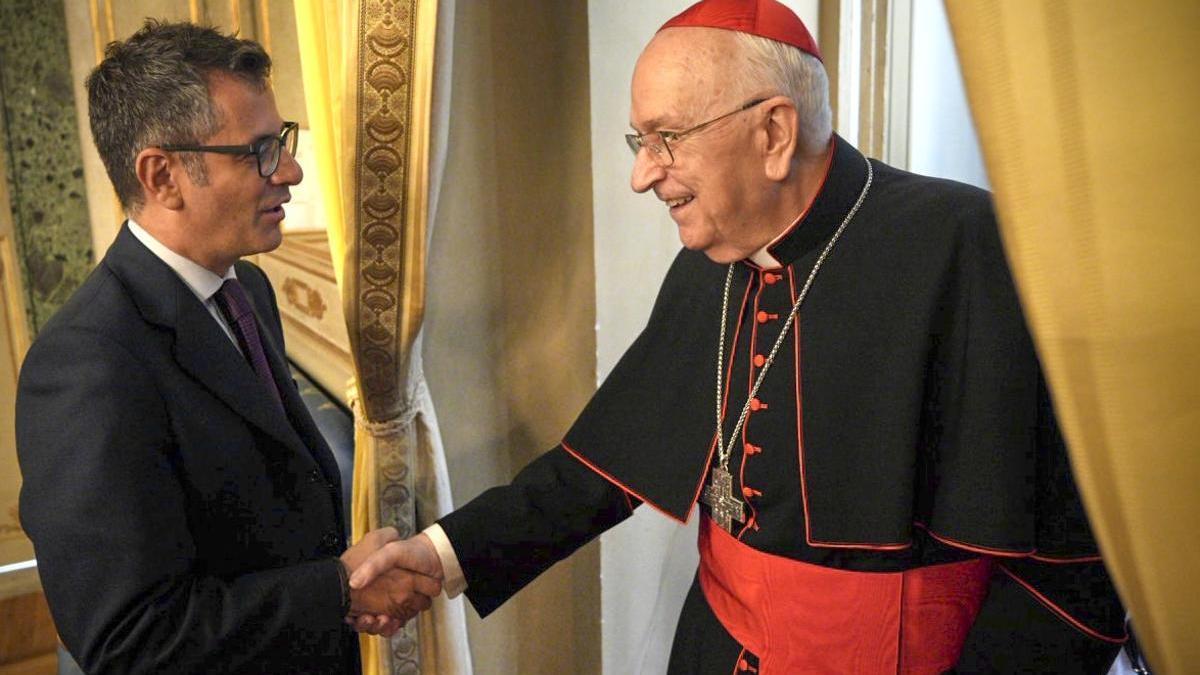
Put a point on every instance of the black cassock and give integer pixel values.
(903, 423)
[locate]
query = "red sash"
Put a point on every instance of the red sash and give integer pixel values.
(803, 618)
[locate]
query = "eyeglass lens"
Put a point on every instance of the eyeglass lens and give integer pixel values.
(655, 144)
(268, 149)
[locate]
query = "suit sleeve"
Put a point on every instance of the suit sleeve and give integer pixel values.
(108, 513)
(510, 534)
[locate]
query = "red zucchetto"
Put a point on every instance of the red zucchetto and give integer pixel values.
(764, 18)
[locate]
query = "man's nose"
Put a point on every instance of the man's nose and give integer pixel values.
(646, 172)
(288, 172)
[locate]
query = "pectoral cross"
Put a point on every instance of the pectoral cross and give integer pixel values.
(718, 495)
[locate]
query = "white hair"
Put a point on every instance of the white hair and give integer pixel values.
(771, 65)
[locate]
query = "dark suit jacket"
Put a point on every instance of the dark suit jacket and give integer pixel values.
(181, 522)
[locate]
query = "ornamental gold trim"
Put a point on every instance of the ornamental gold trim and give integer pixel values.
(393, 96)
(304, 298)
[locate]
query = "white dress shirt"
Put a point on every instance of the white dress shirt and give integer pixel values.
(199, 279)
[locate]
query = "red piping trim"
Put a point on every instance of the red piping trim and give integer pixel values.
(711, 448)
(986, 550)
(1060, 612)
(800, 447)
(1005, 553)
(799, 408)
(804, 214)
(868, 547)
(628, 501)
(749, 386)
(622, 486)
(737, 334)
(1065, 561)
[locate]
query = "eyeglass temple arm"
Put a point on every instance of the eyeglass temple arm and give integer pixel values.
(240, 149)
(248, 148)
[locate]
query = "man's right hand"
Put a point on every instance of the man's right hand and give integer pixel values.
(399, 584)
(415, 553)
(397, 593)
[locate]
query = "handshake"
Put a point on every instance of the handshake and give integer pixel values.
(391, 580)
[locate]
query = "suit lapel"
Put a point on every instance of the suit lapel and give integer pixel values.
(201, 348)
(293, 404)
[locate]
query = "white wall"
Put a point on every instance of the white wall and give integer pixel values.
(635, 241)
(942, 140)
(646, 564)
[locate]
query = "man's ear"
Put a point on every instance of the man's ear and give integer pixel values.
(782, 133)
(159, 174)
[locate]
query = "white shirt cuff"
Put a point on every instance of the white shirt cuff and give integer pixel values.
(453, 581)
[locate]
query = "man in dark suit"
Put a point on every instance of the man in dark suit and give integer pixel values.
(185, 510)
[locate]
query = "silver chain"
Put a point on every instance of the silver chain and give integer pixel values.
(725, 449)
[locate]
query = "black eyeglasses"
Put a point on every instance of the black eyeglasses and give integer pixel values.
(659, 142)
(266, 149)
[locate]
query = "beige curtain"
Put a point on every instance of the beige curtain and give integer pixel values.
(368, 68)
(1087, 115)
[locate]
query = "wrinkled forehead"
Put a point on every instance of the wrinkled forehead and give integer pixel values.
(679, 72)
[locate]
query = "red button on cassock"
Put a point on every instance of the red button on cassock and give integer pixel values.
(751, 449)
(757, 405)
(771, 278)
(759, 360)
(763, 317)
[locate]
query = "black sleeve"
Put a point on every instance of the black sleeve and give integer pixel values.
(510, 534)
(1003, 481)
(1071, 623)
(108, 516)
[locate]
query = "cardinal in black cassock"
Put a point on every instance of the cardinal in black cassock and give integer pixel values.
(838, 370)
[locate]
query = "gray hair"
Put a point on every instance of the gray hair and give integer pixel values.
(798, 75)
(152, 90)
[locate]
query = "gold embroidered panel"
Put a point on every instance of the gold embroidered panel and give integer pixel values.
(385, 244)
(385, 302)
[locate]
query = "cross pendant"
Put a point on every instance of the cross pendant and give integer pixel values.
(718, 495)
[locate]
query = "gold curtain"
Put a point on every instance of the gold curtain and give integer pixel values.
(1086, 113)
(368, 81)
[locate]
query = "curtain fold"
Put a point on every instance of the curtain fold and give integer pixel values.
(1086, 112)
(324, 74)
(368, 69)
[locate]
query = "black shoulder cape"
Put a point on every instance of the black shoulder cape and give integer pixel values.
(923, 401)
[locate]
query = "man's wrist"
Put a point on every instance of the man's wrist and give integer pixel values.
(454, 582)
(344, 581)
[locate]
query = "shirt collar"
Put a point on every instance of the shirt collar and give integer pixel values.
(763, 258)
(202, 282)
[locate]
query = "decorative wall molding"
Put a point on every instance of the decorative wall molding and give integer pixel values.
(311, 308)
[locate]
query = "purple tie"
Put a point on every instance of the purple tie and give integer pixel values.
(236, 307)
